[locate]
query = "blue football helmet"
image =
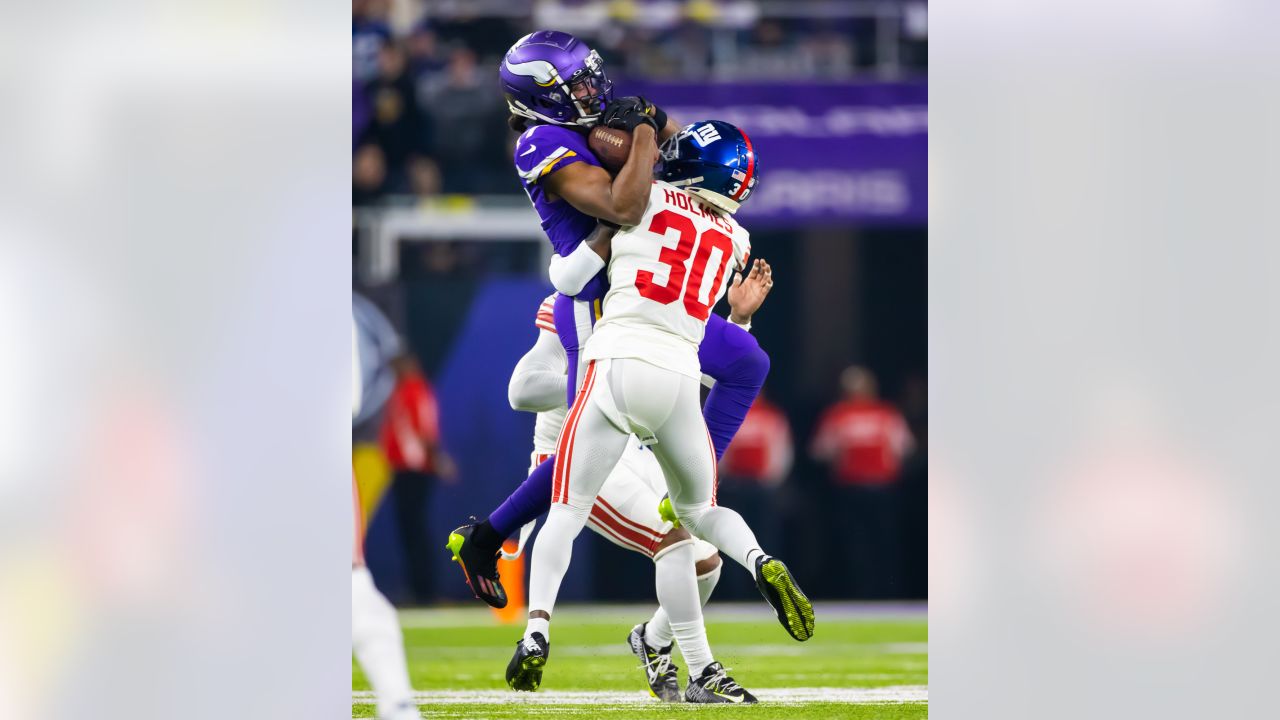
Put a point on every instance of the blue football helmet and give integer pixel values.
(713, 160)
(553, 77)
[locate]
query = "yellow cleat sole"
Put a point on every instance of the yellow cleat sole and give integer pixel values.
(797, 611)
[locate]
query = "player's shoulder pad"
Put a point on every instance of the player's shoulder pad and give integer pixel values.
(544, 148)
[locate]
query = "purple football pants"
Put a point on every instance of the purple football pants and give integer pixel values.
(728, 354)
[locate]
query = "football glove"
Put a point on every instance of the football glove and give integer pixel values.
(628, 113)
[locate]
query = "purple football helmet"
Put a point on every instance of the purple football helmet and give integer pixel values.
(554, 77)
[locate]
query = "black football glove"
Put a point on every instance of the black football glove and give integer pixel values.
(628, 113)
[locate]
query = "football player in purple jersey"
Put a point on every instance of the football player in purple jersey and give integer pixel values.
(557, 90)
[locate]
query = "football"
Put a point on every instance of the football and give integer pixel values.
(610, 146)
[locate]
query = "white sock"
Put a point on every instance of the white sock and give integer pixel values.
(725, 529)
(538, 625)
(551, 555)
(657, 632)
(678, 593)
(692, 638)
(378, 644)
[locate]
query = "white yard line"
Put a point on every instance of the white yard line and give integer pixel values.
(882, 695)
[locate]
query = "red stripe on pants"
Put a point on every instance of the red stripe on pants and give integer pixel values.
(564, 450)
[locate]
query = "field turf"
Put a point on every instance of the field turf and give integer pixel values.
(864, 661)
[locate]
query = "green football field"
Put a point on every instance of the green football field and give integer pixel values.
(864, 661)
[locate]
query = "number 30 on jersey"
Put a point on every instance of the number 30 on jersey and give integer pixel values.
(686, 278)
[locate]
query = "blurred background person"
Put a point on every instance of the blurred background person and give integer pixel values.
(864, 440)
(753, 468)
(410, 439)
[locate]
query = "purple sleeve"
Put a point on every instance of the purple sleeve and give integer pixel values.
(543, 149)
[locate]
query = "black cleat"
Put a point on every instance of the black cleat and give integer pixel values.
(479, 567)
(659, 672)
(714, 686)
(775, 583)
(524, 672)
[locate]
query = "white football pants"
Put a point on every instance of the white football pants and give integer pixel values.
(663, 408)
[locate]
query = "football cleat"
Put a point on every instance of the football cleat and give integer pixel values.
(479, 568)
(524, 672)
(775, 583)
(659, 671)
(715, 686)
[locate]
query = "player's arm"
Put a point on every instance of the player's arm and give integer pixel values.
(620, 200)
(538, 383)
(570, 273)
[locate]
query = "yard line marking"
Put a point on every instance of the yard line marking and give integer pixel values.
(881, 695)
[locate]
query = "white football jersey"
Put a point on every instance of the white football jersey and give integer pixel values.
(665, 276)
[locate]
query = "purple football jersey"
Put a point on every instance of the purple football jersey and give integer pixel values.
(541, 151)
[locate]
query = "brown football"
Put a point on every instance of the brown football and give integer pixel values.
(610, 146)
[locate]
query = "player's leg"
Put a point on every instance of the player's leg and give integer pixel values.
(590, 446)
(689, 465)
(733, 357)
(375, 632)
(707, 564)
(575, 319)
(626, 514)
(649, 399)
(475, 546)
(379, 647)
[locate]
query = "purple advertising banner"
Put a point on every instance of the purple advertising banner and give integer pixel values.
(830, 153)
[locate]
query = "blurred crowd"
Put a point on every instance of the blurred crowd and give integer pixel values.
(425, 100)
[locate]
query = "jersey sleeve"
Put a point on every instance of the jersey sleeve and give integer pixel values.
(544, 149)
(741, 248)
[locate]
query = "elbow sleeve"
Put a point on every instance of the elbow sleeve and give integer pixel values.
(569, 274)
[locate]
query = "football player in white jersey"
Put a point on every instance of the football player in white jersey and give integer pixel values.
(626, 511)
(665, 275)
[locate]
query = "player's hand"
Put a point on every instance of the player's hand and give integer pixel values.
(628, 113)
(747, 295)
